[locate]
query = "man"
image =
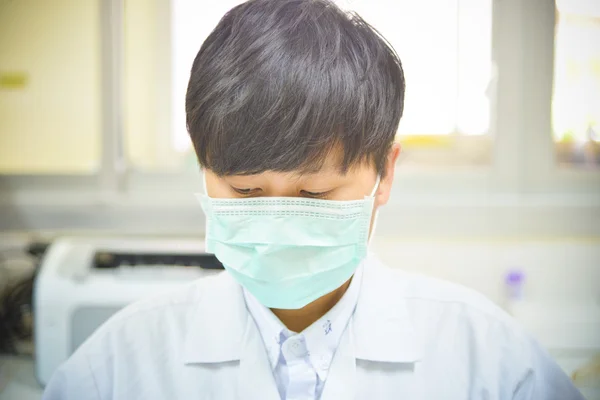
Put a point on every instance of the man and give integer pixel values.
(292, 107)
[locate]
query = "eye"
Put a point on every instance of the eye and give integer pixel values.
(244, 191)
(315, 195)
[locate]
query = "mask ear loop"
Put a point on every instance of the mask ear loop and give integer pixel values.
(207, 219)
(369, 241)
(204, 183)
(377, 182)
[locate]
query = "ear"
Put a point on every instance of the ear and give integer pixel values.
(385, 186)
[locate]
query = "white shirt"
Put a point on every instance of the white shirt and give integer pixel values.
(301, 361)
(410, 337)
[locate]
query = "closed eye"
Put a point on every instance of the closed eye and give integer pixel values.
(315, 195)
(245, 191)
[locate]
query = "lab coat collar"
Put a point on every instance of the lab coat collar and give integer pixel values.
(382, 326)
(215, 329)
(221, 329)
(382, 330)
(256, 379)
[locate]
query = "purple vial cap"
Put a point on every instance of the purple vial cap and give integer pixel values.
(515, 277)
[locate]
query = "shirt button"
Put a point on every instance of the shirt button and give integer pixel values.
(297, 349)
(323, 363)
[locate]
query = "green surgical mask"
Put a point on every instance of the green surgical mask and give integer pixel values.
(288, 251)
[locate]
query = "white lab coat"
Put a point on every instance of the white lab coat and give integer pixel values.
(411, 337)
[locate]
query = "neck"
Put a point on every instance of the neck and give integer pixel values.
(300, 319)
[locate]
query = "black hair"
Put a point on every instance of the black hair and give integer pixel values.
(278, 84)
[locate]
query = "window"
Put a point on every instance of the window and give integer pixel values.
(50, 111)
(445, 48)
(576, 99)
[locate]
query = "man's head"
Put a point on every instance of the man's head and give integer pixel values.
(295, 98)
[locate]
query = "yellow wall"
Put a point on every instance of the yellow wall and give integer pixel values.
(147, 81)
(52, 123)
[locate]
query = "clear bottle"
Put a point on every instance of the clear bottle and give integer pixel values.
(515, 287)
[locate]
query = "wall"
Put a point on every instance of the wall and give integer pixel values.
(57, 113)
(557, 271)
(147, 83)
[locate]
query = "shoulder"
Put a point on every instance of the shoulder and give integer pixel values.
(424, 291)
(471, 341)
(160, 317)
(460, 319)
(475, 323)
(463, 330)
(146, 334)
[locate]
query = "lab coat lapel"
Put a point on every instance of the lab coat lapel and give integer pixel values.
(221, 330)
(215, 329)
(382, 326)
(256, 381)
(341, 380)
(380, 330)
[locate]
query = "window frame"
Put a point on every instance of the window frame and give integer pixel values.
(521, 187)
